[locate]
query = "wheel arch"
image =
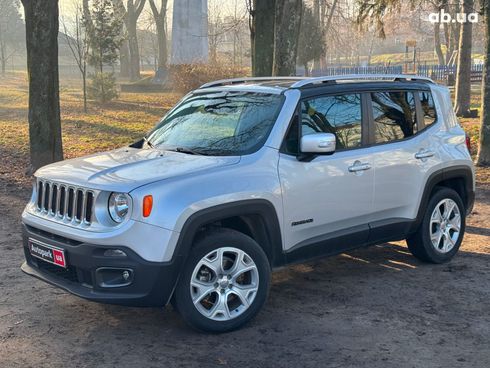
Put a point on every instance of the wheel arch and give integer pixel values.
(458, 178)
(256, 218)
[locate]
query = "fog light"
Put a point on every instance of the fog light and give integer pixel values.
(115, 253)
(111, 277)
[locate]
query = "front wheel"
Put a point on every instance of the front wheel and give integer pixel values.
(224, 283)
(441, 232)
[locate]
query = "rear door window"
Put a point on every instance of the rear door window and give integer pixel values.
(394, 115)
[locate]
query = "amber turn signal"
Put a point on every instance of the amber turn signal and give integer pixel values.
(147, 205)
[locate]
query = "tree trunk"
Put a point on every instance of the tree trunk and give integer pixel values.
(288, 21)
(263, 40)
(162, 44)
(160, 18)
(316, 16)
(4, 57)
(134, 51)
(437, 43)
(483, 158)
(84, 84)
(42, 24)
(124, 59)
(463, 74)
(120, 12)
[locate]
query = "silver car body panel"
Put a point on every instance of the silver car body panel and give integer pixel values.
(324, 189)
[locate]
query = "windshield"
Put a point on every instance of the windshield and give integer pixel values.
(222, 123)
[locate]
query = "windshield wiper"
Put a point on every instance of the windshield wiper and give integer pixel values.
(148, 143)
(188, 151)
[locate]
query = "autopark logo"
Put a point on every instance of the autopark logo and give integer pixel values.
(444, 17)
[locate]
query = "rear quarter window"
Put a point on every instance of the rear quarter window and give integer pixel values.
(428, 108)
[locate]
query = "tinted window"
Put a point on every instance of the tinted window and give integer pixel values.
(428, 108)
(223, 123)
(394, 116)
(339, 115)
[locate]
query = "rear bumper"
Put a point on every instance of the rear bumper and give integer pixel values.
(151, 284)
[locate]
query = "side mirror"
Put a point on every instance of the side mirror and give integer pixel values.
(318, 143)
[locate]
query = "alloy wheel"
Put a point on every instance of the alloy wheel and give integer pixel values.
(445, 225)
(224, 283)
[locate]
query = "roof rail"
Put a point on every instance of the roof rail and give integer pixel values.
(224, 82)
(335, 78)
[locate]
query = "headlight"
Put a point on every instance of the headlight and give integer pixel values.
(119, 206)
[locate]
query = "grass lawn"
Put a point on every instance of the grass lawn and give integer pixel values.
(102, 128)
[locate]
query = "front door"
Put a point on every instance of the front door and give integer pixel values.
(329, 197)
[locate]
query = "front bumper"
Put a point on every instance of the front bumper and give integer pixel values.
(151, 283)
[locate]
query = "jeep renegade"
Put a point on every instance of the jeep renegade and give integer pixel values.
(247, 175)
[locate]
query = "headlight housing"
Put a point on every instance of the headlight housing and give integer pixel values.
(119, 204)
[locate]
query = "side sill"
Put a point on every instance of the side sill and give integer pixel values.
(349, 239)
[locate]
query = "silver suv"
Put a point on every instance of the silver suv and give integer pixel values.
(247, 175)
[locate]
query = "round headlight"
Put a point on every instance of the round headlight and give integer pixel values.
(118, 206)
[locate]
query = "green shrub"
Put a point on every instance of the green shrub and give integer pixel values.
(102, 87)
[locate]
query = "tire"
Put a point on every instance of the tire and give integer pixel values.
(431, 243)
(223, 298)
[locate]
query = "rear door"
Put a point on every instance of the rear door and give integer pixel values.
(401, 135)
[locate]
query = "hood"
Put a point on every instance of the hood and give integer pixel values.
(127, 168)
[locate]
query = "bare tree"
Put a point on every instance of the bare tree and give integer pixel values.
(131, 13)
(77, 42)
(483, 158)
(124, 68)
(215, 31)
(262, 31)
(463, 75)
(42, 25)
(288, 23)
(10, 21)
(160, 17)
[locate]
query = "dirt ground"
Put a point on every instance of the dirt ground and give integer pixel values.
(376, 307)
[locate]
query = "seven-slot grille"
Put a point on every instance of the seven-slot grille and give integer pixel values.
(65, 202)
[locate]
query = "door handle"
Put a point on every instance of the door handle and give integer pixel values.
(423, 154)
(359, 166)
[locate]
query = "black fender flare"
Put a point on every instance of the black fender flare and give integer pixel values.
(439, 176)
(260, 207)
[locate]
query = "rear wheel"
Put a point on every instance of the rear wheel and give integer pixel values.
(224, 283)
(441, 232)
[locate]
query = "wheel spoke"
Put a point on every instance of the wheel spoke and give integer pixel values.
(436, 237)
(448, 242)
(243, 292)
(221, 307)
(436, 217)
(455, 223)
(241, 266)
(448, 208)
(216, 263)
(204, 289)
